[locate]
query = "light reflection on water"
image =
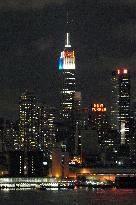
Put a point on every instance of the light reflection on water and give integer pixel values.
(69, 197)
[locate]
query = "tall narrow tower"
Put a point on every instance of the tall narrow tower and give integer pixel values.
(120, 110)
(27, 122)
(67, 70)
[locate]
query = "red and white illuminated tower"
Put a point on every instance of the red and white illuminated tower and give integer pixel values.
(120, 109)
(67, 70)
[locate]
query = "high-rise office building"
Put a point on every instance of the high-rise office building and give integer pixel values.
(67, 70)
(114, 102)
(77, 108)
(107, 138)
(30, 138)
(47, 127)
(11, 135)
(120, 109)
(77, 124)
(28, 123)
(98, 120)
(133, 132)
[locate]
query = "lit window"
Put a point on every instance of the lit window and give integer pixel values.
(125, 71)
(118, 71)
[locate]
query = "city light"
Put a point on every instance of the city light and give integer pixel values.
(98, 108)
(125, 71)
(46, 145)
(67, 60)
(60, 63)
(118, 71)
(76, 160)
(122, 71)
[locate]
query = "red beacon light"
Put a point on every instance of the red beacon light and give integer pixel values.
(122, 71)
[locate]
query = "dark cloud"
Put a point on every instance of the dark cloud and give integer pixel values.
(103, 34)
(28, 4)
(123, 2)
(43, 43)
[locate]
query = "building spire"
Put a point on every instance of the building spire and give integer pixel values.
(67, 35)
(67, 40)
(67, 18)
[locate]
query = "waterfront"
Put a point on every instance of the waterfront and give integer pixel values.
(69, 197)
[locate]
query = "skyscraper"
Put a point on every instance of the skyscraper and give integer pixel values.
(30, 138)
(114, 102)
(77, 123)
(133, 132)
(108, 140)
(98, 120)
(120, 109)
(67, 70)
(47, 127)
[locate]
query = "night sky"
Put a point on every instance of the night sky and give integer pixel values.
(103, 34)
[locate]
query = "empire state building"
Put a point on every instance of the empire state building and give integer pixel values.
(67, 70)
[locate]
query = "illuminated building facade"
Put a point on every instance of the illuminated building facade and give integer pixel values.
(47, 128)
(120, 110)
(28, 123)
(37, 133)
(133, 132)
(8, 135)
(67, 70)
(11, 135)
(77, 123)
(114, 102)
(107, 143)
(99, 121)
(30, 137)
(98, 108)
(50, 131)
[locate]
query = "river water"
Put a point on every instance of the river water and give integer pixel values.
(69, 197)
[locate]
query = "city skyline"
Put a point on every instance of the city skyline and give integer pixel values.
(68, 101)
(33, 36)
